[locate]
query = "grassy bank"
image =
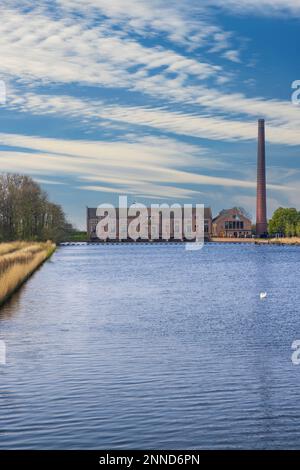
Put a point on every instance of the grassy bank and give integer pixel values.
(76, 236)
(261, 241)
(18, 260)
(232, 240)
(284, 241)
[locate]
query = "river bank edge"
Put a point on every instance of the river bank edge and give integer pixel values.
(49, 252)
(293, 241)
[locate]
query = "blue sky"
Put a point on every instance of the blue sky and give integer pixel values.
(157, 100)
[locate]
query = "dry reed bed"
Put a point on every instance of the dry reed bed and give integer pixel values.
(6, 248)
(278, 241)
(16, 265)
(286, 241)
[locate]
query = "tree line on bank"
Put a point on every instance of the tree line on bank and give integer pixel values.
(27, 214)
(285, 222)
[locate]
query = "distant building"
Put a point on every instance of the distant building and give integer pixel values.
(232, 223)
(92, 222)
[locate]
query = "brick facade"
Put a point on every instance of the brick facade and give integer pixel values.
(232, 223)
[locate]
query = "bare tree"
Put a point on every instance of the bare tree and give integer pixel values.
(26, 213)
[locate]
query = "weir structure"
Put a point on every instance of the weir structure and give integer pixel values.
(261, 196)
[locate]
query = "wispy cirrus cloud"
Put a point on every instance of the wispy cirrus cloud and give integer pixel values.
(40, 47)
(262, 7)
(192, 27)
(36, 47)
(149, 166)
(180, 123)
(160, 68)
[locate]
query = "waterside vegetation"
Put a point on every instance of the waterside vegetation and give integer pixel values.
(26, 212)
(18, 261)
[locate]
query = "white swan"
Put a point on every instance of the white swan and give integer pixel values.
(262, 295)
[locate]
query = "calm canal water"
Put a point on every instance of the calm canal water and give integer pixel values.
(154, 347)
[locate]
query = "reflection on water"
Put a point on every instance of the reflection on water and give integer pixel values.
(153, 347)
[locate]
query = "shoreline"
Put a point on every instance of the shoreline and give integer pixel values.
(293, 241)
(20, 264)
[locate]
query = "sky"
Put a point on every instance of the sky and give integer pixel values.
(157, 100)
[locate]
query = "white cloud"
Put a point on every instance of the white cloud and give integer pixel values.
(144, 168)
(263, 7)
(40, 46)
(232, 55)
(191, 27)
(102, 43)
(51, 182)
(36, 47)
(146, 190)
(203, 126)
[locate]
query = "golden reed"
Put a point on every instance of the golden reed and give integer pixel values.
(18, 260)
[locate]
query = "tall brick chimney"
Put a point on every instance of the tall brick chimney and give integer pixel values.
(261, 196)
